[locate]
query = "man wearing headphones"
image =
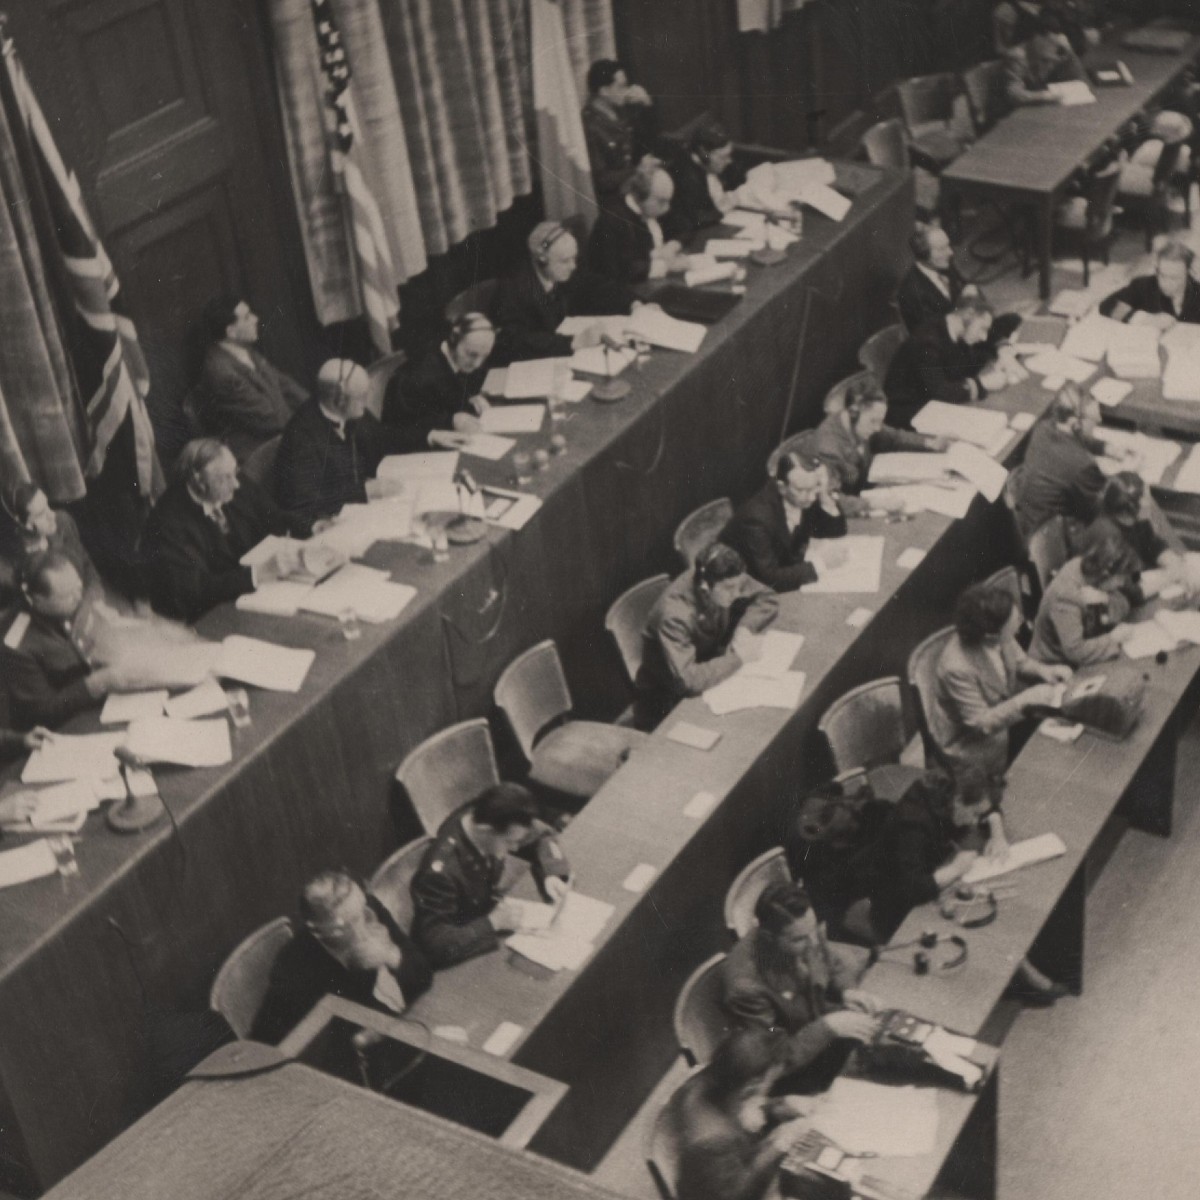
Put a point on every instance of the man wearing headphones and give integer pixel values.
(617, 126)
(700, 632)
(1045, 58)
(1171, 294)
(546, 289)
(441, 398)
(331, 447)
(627, 244)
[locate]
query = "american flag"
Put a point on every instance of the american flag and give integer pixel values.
(110, 369)
(377, 276)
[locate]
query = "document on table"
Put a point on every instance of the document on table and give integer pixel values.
(755, 691)
(386, 518)
(513, 418)
(1091, 337)
(601, 360)
(614, 326)
(751, 224)
(1064, 366)
(778, 652)
(1182, 626)
(661, 329)
(1110, 392)
(861, 1117)
(74, 756)
(860, 572)
(1072, 302)
(1149, 637)
(530, 379)
(735, 247)
(201, 701)
(1072, 93)
(981, 426)
(431, 464)
(1018, 855)
(279, 598)
(62, 807)
(698, 275)
(983, 473)
(26, 862)
(908, 466)
(1155, 454)
(263, 664)
(567, 935)
(121, 708)
(185, 743)
(826, 201)
(368, 591)
(1188, 477)
(486, 445)
(951, 500)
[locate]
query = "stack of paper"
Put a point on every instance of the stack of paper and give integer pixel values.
(755, 691)
(1018, 855)
(262, 664)
(748, 224)
(1110, 392)
(513, 418)
(74, 756)
(1182, 626)
(567, 935)
(736, 247)
(26, 862)
(985, 474)
(1134, 355)
(1149, 638)
(185, 743)
(530, 380)
(614, 326)
(860, 570)
(661, 329)
(982, 426)
(700, 272)
(1057, 365)
(366, 590)
(908, 466)
(1072, 92)
(61, 808)
(1072, 302)
(951, 499)
(601, 360)
(1154, 455)
(860, 1117)
(1091, 338)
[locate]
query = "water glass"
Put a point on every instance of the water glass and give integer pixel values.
(238, 704)
(523, 467)
(62, 846)
(440, 543)
(351, 626)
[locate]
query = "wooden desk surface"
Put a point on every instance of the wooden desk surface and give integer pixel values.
(1036, 148)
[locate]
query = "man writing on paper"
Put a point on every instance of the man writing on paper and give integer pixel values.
(348, 945)
(459, 889)
(1045, 58)
(546, 289)
(1167, 296)
(202, 525)
(443, 395)
(331, 447)
(627, 243)
(771, 531)
(700, 632)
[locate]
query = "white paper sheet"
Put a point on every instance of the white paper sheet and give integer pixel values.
(600, 360)
(1183, 626)
(981, 426)
(1072, 302)
(750, 223)
(1021, 421)
(1111, 392)
(513, 418)
(430, 464)
(61, 808)
(280, 598)
(74, 756)
(185, 743)
(369, 592)
(735, 247)
(26, 862)
(906, 466)
(201, 701)
(872, 1118)
(1059, 365)
(950, 501)
(1072, 93)
(1187, 479)
(687, 734)
(488, 445)
(614, 326)
(263, 664)
(826, 201)
(754, 691)
(1019, 854)
(661, 329)
(1149, 637)
(1155, 454)
(779, 650)
(503, 1038)
(121, 708)
(530, 379)
(359, 526)
(860, 572)
(983, 473)
(1091, 337)
(909, 558)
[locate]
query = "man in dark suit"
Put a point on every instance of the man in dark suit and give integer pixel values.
(200, 528)
(546, 289)
(771, 531)
(617, 126)
(348, 945)
(627, 242)
(244, 400)
(940, 361)
(700, 198)
(1170, 294)
(441, 398)
(331, 447)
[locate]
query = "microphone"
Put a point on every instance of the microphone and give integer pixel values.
(127, 758)
(134, 813)
(463, 529)
(611, 343)
(610, 389)
(464, 479)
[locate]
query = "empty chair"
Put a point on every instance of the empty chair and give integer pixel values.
(391, 881)
(1144, 192)
(448, 770)
(1085, 224)
(886, 145)
(379, 375)
(866, 727)
(877, 352)
(626, 619)
(479, 297)
(241, 983)
(1048, 550)
(700, 528)
(700, 1021)
(752, 880)
(986, 87)
(922, 678)
(571, 758)
(927, 102)
(259, 464)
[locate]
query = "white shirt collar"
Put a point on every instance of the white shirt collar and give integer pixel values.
(209, 508)
(656, 233)
(792, 515)
(939, 280)
(448, 355)
(240, 352)
(338, 422)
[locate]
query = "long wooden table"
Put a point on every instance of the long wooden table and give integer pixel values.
(1030, 156)
(86, 963)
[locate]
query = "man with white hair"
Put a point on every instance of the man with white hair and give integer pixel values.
(331, 446)
(627, 243)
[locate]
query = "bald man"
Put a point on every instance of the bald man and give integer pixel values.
(548, 287)
(330, 447)
(627, 243)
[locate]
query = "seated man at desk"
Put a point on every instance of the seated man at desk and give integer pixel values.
(40, 528)
(331, 447)
(201, 526)
(443, 395)
(19, 806)
(700, 632)
(1079, 620)
(1045, 58)
(617, 126)
(985, 683)
(846, 442)
(627, 242)
(732, 1134)
(459, 889)
(700, 198)
(1167, 296)
(784, 975)
(1152, 545)
(347, 945)
(772, 529)
(244, 400)
(46, 646)
(942, 360)
(548, 288)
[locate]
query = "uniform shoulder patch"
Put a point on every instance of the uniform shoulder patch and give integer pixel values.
(437, 865)
(16, 631)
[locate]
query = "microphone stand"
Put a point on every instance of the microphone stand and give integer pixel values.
(134, 813)
(463, 529)
(611, 389)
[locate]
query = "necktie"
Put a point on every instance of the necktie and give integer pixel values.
(220, 520)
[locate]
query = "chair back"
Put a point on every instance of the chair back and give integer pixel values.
(479, 297)
(700, 1020)
(662, 1144)
(259, 464)
(191, 408)
(626, 620)
(379, 375)
(922, 678)
(448, 770)
(241, 983)
(1007, 579)
(391, 884)
(752, 880)
(885, 144)
(1048, 549)
(532, 692)
(1101, 199)
(877, 352)
(700, 528)
(866, 726)
(798, 443)
(985, 86)
(926, 98)
(835, 398)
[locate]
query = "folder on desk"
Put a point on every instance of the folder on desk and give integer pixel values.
(687, 304)
(74, 756)
(184, 743)
(263, 664)
(981, 426)
(26, 862)
(662, 329)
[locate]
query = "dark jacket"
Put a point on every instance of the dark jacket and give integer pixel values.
(849, 459)
(621, 246)
(616, 142)
(45, 667)
(931, 365)
(773, 554)
(692, 206)
(191, 566)
(427, 398)
(1059, 475)
(245, 406)
(305, 971)
(528, 316)
(457, 886)
(316, 471)
(1144, 295)
(921, 300)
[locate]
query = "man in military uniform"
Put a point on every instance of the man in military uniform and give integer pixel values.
(614, 118)
(458, 892)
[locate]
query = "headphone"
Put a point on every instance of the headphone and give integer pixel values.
(541, 254)
(918, 243)
(468, 323)
(923, 960)
(970, 907)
